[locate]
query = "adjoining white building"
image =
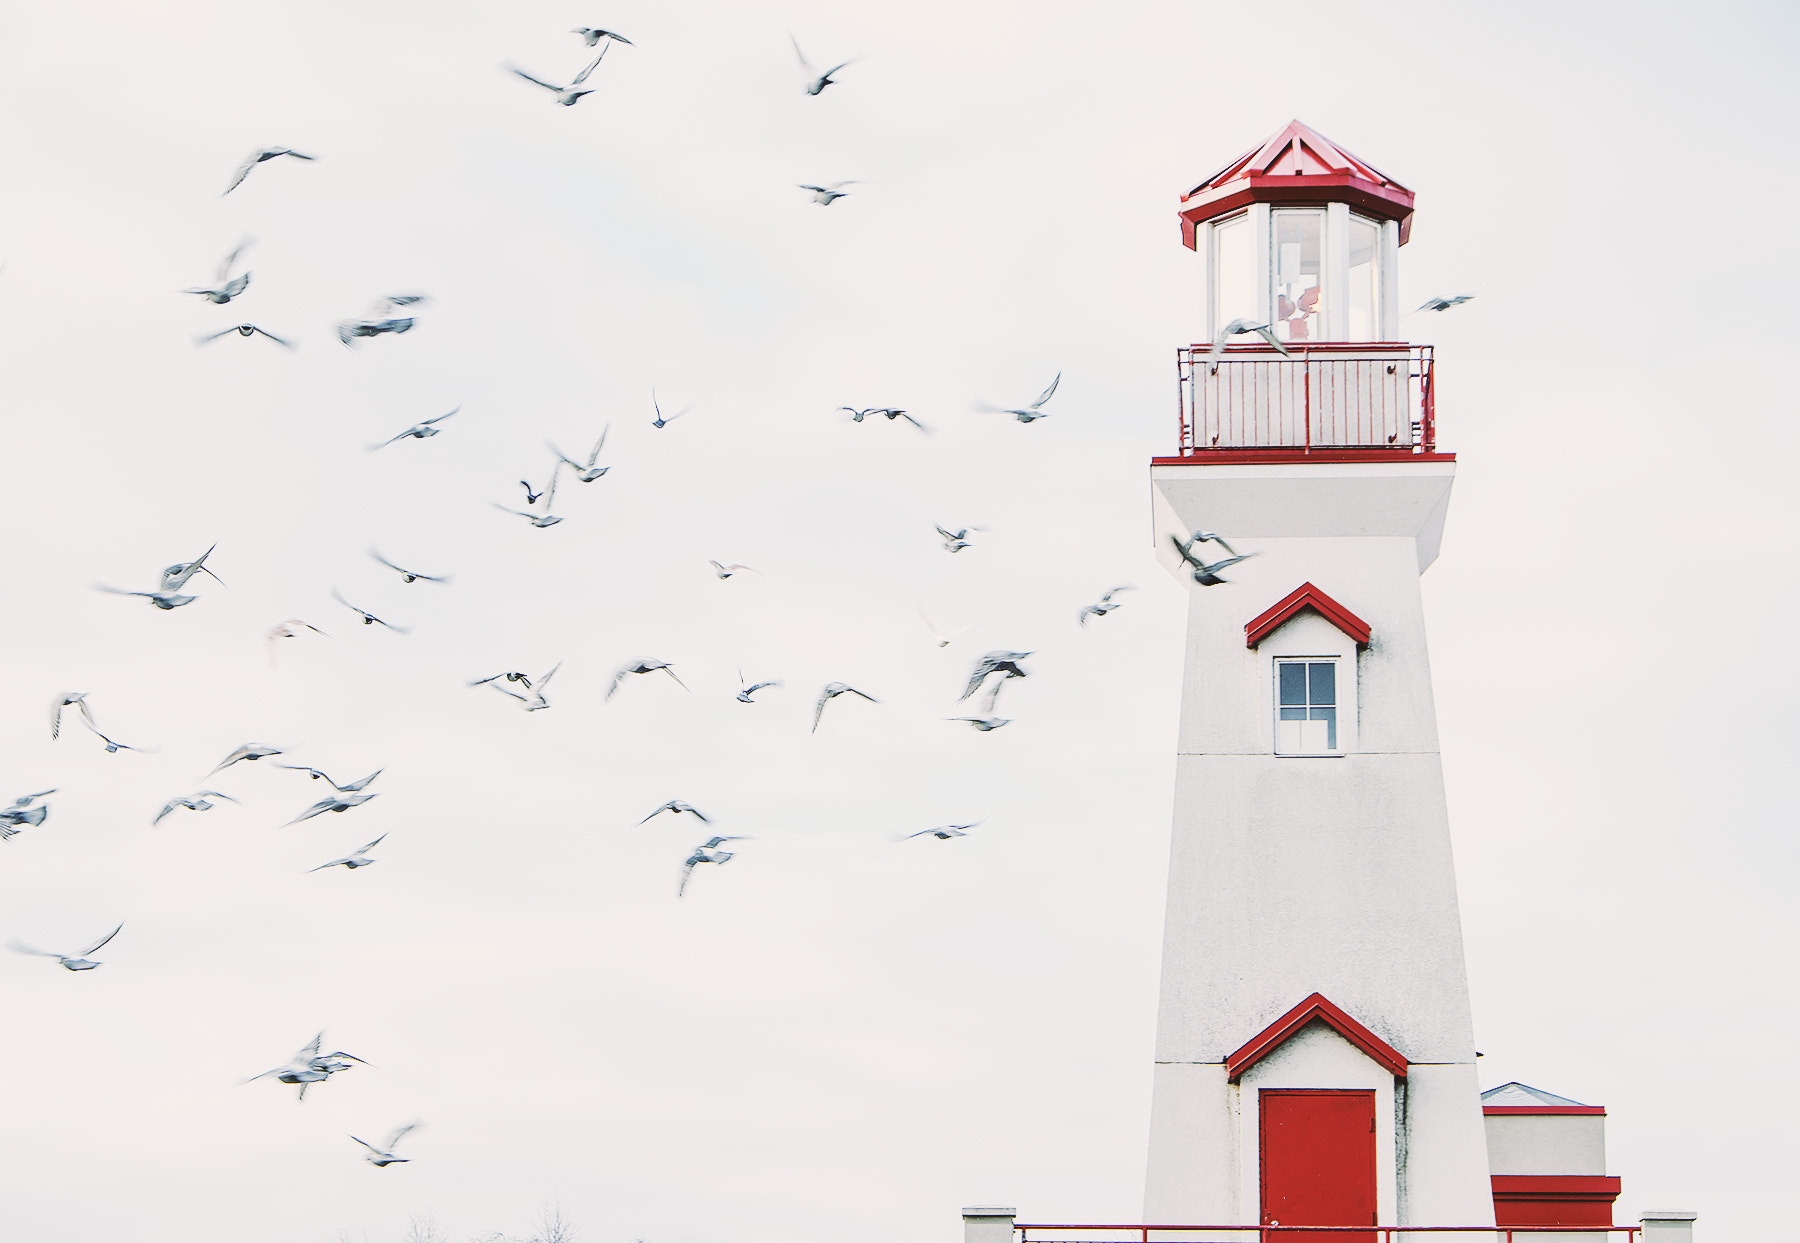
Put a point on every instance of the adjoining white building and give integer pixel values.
(1315, 1057)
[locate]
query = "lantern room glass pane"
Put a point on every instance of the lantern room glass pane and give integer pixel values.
(1362, 300)
(1299, 273)
(1234, 271)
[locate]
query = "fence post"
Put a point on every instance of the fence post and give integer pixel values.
(988, 1223)
(1667, 1227)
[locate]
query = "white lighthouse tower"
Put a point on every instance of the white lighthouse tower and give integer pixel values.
(1315, 1062)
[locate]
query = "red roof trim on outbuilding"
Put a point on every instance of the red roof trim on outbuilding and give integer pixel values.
(1314, 1008)
(1305, 596)
(1559, 1110)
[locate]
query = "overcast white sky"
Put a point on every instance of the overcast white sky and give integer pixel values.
(834, 1028)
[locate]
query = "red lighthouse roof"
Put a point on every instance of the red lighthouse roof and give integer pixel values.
(1296, 165)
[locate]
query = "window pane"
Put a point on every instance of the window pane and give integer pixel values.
(1329, 716)
(1323, 688)
(1299, 262)
(1293, 683)
(1294, 714)
(1363, 298)
(1234, 272)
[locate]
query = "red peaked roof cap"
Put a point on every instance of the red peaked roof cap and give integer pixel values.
(1305, 596)
(1296, 165)
(1315, 1008)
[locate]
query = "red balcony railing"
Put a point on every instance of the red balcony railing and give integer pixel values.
(1350, 397)
(1312, 1234)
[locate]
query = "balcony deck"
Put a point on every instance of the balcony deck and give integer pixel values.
(1323, 402)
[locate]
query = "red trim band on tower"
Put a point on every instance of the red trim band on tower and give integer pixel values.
(1564, 1110)
(1305, 596)
(1554, 1200)
(1314, 1008)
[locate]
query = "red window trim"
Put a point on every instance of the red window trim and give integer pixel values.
(1305, 596)
(1314, 1008)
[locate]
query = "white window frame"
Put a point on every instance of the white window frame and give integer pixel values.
(1343, 695)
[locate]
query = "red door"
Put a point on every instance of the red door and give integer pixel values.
(1318, 1163)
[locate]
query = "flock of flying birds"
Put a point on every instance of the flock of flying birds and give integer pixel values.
(178, 586)
(175, 588)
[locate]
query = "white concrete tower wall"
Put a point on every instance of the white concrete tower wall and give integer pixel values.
(1292, 875)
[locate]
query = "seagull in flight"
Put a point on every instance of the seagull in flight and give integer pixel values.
(224, 287)
(985, 724)
(1237, 328)
(193, 802)
(113, 745)
(22, 812)
(351, 329)
(534, 701)
(585, 472)
(68, 699)
(384, 1156)
(825, 196)
(164, 600)
(357, 858)
(944, 832)
(267, 153)
(815, 81)
(832, 691)
(74, 962)
(857, 416)
(407, 576)
(290, 629)
(1006, 664)
(706, 853)
(1106, 605)
(175, 577)
(1444, 304)
(309, 1066)
(746, 689)
(1033, 412)
(956, 541)
(418, 431)
(339, 802)
(244, 330)
(644, 666)
(593, 35)
(677, 806)
(545, 519)
(249, 752)
(943, 639)
(1204, 574)
(314, 774)
(659, 421)
(568, 96)
(726, 571)
(368, 618)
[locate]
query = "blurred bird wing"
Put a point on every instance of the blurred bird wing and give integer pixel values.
(359, 784)
(365, 849)
(371, 1147)
(317, 809)
(1048, 393)
(440, 418)
(233, 288)
(819, 710)
(399, 1135)
(536, 81)
(545, 680)
(805, 65)
(683, 685)
(243, 172)
(583, 75)
(865, 695)
(598, 445)
(102, 941)
(281, 341)
(23, 948)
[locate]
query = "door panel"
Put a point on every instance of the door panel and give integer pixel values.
(1318, 1163)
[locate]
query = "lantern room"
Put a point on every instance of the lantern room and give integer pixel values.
(1300, 235)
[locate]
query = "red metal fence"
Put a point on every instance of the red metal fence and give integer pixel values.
(1337, 397)
(1036, 1233)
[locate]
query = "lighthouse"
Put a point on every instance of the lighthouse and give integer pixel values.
(1315, 1060)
